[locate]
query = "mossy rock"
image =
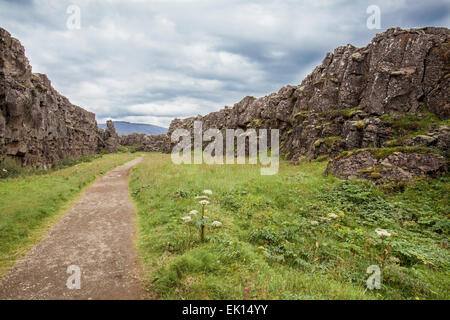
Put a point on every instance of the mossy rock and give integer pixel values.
(383, 153)
(322, 158)
(360, 124)
(303, 113)
(368, 170)
(328, 141)
(376, 175)
(409, 124)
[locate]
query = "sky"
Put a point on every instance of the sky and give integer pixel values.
(152, 61)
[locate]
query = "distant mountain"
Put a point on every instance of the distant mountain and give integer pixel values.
(123, 127)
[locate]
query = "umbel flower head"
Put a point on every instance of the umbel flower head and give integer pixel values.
(193, 212)
(187, 219)
(314, 223)
(207, 191)
(204, 202)
(383, 233)
(216, 224)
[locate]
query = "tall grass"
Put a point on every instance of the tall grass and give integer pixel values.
(11, 167)
(295, 235)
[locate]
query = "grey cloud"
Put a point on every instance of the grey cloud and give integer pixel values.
(155, 60)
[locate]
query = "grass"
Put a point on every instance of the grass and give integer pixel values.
(270, 246)
(417, 124)
(30, 204)
(11, 168)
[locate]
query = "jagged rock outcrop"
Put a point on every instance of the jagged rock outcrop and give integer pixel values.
(147, 142)
(38, 126)
(439, 139)
(395, 87)
(110, 141)
(400, 166)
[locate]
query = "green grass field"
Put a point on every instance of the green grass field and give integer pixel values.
(30, 204)
(295, 235)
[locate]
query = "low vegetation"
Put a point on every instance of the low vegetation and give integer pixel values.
(34, 199)
(295, 235)
(413, 123)
(11, 168)
(128, 149)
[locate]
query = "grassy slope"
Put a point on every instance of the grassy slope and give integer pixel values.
(268, 248)
(30, 205)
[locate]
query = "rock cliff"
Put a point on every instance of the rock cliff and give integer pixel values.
(386, 94)
(38, 126)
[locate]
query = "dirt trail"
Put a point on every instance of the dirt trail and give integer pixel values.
(97, 235)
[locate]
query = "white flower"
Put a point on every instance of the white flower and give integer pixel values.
(334, 216)
(4, 170)
(216, 224)
(383, 233)
(193, 212)
(394, 259)
(187, 219)
(204, 202)
(314, 223)
(207, 192)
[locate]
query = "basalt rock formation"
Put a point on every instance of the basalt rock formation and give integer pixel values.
(402, 166)
(393, 92)
(110, 137)
(38, 126)
(147, 142)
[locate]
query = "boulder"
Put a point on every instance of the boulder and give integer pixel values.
(395, 167)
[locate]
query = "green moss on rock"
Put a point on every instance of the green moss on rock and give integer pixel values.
(383, 153)
(376, 175)
(328, 141)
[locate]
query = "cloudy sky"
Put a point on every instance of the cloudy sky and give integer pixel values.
(152, 61)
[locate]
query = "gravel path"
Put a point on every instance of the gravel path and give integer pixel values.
(95, 237)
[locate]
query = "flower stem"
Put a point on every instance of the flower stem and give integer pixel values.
(189, 238)
(202, 226)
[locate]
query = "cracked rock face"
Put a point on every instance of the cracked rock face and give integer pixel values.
(147, 142)
(38, 126)
(110, 137)
(396, 167)
(342, 105)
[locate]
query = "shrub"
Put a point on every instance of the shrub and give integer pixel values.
(10, 168)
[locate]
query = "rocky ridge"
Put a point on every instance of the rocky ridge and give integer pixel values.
(392, 92)
(38, 126)
(147, 142)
